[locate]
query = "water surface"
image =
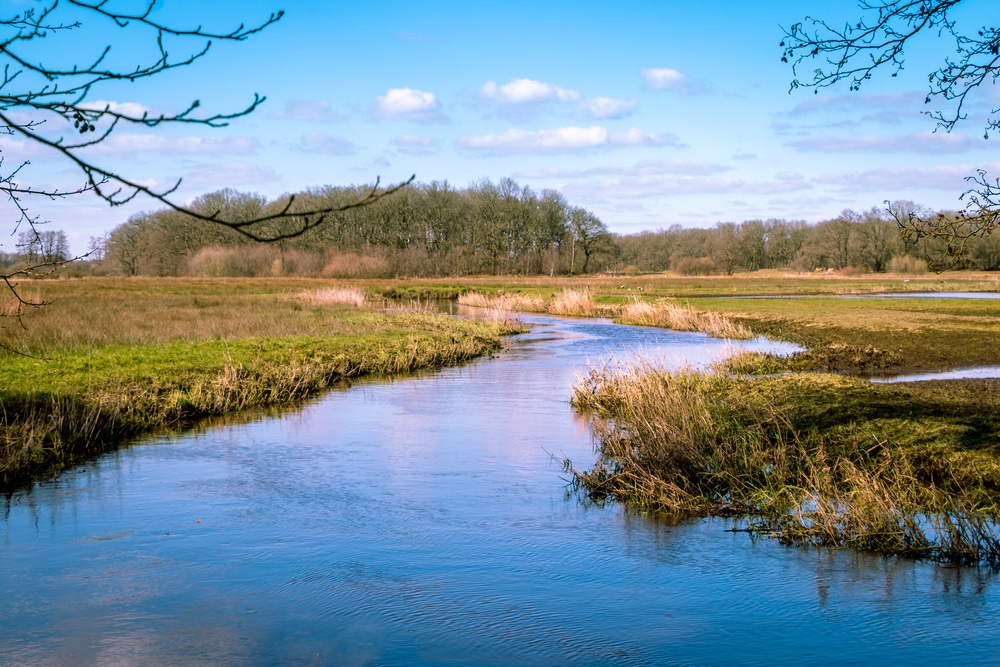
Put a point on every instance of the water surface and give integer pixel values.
(423, 521)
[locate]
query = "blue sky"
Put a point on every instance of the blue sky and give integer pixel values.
(650, 114)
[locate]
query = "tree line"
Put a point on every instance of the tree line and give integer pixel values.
(499, 228)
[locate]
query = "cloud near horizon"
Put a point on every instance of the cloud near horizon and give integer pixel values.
(415, 145)
(407, 104)
(324, 144)
(646, 187)
(885, 180)
(935, 143)
(563, 139)
(641, 168)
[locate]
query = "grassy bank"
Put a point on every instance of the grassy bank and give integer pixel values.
(110, 359)
(859, 335)
(910, 470)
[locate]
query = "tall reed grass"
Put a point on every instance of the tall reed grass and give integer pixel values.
(703, 443)
(670, 315)
(345, 296)
(575, 302)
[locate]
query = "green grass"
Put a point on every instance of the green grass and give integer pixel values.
(110, 359)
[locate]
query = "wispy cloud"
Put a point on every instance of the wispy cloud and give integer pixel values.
(229, 173)
(526, 91)
(647, 187)
(415, 145)
(324, 144)
(936, 143)
(408, 104)
(641, 168)
(939, 177)
(665, 78)
(314, 110)
(608, 107)
(129, 144)
(563, 139)
(889, 100)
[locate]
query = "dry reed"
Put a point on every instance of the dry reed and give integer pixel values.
(670, 315)
(703, 443)
(344, 296)
(575, 302)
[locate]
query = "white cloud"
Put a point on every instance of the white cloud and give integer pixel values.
(314, 110)
(128, 144)
(527, 91)
(318, 142)
(608, 107)
(407, 104)
(665, 78)
(563, 139)
(936, 143)
(132, 109)
(415, 145)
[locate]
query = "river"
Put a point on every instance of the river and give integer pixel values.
(424, 521)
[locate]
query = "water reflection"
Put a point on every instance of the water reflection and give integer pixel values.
(423, 521)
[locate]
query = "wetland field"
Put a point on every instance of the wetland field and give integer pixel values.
(588, 416)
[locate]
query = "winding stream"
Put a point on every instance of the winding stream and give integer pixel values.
(423, 521)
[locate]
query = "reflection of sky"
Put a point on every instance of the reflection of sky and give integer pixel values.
(420, 521)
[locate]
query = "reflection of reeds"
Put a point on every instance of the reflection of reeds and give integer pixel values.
(502, 309)
(688, 442)
(669, 315)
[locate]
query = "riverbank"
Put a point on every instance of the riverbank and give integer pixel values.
(910, 470)
(803, 447)
(818, 311)
(109, 359)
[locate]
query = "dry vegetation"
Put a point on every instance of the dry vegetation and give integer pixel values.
(810, 459)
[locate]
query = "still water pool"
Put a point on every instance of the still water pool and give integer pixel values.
(423, 521)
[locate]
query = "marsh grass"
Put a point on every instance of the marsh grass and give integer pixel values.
(807, 459)
(510, 301)
(345, 296)
(671, 315)
(575, 302)
(112, 359)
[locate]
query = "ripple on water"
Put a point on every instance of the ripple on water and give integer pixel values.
(423, 521)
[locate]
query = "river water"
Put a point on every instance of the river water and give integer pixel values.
(423, 521)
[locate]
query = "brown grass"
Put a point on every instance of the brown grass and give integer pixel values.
(802, 464)
(672, 315)
(575, 302)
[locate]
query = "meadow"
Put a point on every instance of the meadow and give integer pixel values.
(105, 360)
(804, 448)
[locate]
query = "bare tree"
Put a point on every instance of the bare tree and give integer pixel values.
(877, 41)
(47, 99)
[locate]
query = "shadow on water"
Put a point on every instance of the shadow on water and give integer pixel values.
(423, 521)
